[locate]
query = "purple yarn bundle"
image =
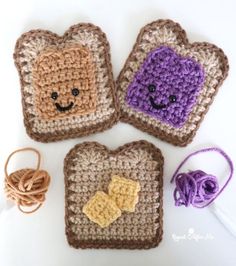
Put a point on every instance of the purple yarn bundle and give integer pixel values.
(194, 188)
(197, 188)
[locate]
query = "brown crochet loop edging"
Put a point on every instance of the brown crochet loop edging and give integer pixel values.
(26, 187)
(69, 164)
(53, 40)
(181, 39)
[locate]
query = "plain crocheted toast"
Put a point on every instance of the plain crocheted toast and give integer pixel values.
(89, 168)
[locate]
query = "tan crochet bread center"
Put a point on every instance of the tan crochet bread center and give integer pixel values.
(56, 72)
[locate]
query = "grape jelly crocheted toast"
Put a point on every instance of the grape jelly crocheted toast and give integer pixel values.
(168, 84)
(66, 82)
(89, 168)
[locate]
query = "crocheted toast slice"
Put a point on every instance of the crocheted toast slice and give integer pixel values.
(89, 168)
(168, 84)
(66, 83)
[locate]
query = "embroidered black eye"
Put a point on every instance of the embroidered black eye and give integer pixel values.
(172, 98)
(151, 88)
(75, 92)
(54, 95)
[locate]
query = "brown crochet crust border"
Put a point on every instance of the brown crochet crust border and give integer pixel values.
(56, 39)
(155, 131)
(113, 244)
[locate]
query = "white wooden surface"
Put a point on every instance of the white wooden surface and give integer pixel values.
(39, 239)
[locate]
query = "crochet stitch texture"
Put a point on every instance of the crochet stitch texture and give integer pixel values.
(166, 86)
(67, 84)
(169, 99)
(89, 168)
(124, 192)
(101, 209)
(60, 72)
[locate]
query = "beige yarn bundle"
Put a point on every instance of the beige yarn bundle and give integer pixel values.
(27, 187)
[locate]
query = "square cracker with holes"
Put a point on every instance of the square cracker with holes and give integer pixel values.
(66, 83)
(101, 209)
(167, 83)
(89, 168)
(124, 192)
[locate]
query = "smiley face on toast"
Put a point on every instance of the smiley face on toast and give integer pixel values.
(64, 82)
(166, 86)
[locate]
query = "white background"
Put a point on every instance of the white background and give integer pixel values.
(39, 239)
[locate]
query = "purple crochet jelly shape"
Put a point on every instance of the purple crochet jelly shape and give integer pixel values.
(166, 86)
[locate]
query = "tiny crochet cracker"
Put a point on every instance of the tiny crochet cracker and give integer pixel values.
(101, 209)
(89, 168)
(168, 84)
(124, 192)
(66, 83)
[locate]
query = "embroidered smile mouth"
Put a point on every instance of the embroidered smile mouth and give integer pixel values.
(64, 108)
(156, 106)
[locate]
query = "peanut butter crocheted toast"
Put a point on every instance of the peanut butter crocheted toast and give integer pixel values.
(66, 83)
